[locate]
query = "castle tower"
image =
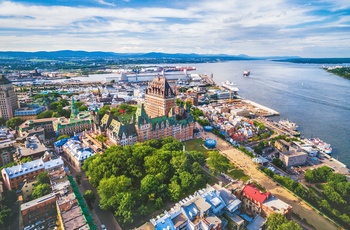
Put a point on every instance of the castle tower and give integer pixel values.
(8, 98)
(159, 98)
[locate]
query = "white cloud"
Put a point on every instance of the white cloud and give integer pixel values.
(226, 26)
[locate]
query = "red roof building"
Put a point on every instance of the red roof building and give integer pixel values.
(252, 193)
(256, 202)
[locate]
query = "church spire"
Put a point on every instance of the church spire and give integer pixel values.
(74, 111)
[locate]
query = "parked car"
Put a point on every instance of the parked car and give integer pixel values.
(103, 227)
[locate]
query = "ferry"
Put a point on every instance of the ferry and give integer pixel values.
(290, 125)
(321, 145)
(230, 86)
(246, 73)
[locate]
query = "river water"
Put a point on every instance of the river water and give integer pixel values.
(319, 102)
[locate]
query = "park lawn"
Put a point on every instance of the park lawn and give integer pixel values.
(196, 145)
(238, 174)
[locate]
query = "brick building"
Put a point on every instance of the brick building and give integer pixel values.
(14, 177)
(38, 209)
(159, 98)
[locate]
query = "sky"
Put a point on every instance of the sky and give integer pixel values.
(312, 28)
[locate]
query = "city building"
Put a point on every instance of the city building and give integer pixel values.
(258, 203)
(32, 147)
(29, 112)
(293, 157)
(76, 154)
(39, 209)
(159, 98)
(7, 150)
(8, 98)
(14, 177)
(42, 128)
(282, 145)
(78, 122)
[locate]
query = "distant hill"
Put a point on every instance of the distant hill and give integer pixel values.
(100, 54)
(315, 60)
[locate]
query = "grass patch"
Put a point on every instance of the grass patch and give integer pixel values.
(238, 174)
(196, 145)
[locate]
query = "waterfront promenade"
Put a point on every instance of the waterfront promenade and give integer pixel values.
(246, 164)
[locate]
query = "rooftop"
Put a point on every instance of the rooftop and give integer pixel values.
(74, 219)
(294, 152)
(255, 194)
(277, 205)
(32, 166)
(74, 148)
(38, 201)
(32, 146)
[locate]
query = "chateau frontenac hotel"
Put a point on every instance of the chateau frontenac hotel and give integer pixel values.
(159, 117)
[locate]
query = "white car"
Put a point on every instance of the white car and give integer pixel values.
(103, 227)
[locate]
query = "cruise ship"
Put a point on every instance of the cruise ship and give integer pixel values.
(230, 86)
(321, 145)
(290, 125)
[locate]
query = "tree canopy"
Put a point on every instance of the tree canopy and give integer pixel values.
(43, 178)
(41, 190)
(14, 122)
(145, 174)
(218, 163)
(277, 221)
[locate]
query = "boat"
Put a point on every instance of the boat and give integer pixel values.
(230, 86)
(246, 73)
(321, 145)
(290, 125)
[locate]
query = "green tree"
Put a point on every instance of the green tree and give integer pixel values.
(63, 136)
(83, 108)
(41, 190)
(150, 185)
(6, 217)
(45, 114)
(26, 159)
(104, 110)
(126, 208)
(43, 178)
(218, 163)
(14, 122)
(90, 197)
(101, 138)
(174, 190)
(278, 162)
(277, 221)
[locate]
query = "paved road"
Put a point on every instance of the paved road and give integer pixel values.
(304, 210)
